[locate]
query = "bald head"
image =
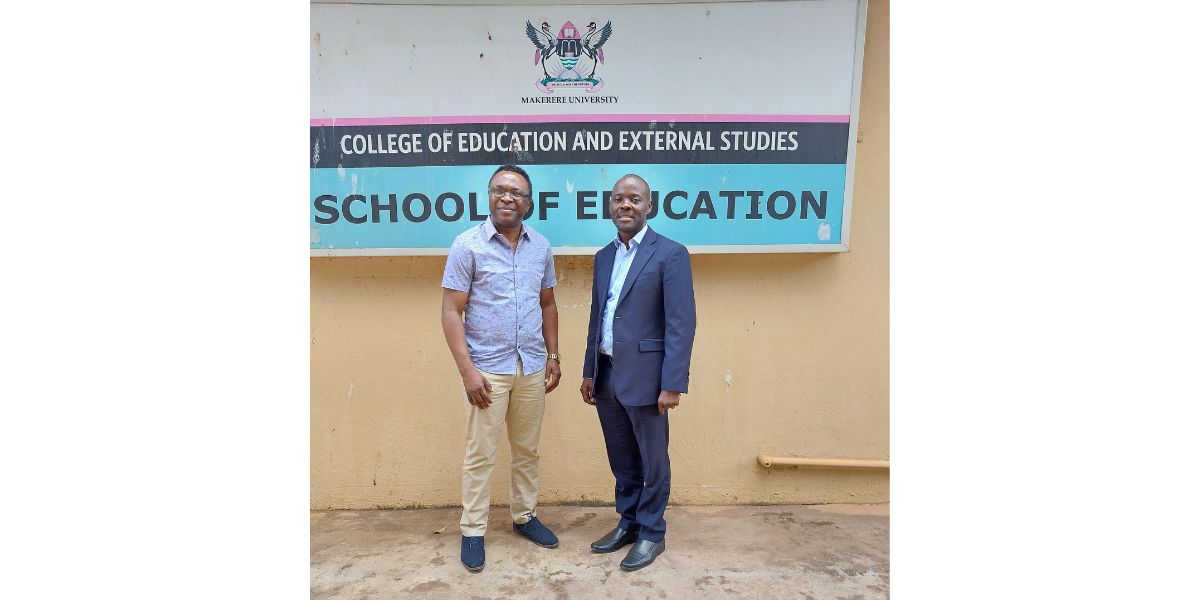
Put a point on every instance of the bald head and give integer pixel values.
(634, 180)
(629, 204)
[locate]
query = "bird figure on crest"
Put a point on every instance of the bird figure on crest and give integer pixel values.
(544, 43)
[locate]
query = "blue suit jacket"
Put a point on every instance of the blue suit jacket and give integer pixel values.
(654, 322)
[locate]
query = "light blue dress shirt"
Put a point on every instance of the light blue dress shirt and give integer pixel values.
(503, 318)
(621, 263)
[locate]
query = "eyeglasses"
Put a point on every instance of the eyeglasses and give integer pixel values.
(499, 193)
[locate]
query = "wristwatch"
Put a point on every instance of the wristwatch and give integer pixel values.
(553, 357)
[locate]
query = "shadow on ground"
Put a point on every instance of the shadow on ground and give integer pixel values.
(781, 551)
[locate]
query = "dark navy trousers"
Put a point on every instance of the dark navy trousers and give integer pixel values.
(636, 439)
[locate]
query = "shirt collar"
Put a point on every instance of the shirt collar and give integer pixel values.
(636, 241)
(490, 231)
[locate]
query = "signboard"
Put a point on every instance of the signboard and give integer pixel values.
(742, 117)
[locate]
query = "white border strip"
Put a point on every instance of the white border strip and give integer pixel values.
(583, 250)
(852, 141)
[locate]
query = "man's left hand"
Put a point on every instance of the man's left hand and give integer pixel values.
(553, 374)
(667, 400)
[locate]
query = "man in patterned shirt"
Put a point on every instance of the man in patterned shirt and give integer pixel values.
(501, 274)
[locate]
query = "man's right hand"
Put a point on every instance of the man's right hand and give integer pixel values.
(478, 388)
(586, 391)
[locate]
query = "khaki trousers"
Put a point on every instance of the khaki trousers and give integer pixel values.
(519, 401)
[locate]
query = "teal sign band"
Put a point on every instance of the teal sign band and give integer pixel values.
(697, 204)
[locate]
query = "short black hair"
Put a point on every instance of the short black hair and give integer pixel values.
(514, 169)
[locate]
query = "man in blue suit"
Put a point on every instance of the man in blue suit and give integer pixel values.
(639, 346)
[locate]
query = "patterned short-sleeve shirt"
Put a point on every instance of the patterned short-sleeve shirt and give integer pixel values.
(503, 318)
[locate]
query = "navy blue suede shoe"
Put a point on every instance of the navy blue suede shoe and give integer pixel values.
(538, 533)
(472, 553)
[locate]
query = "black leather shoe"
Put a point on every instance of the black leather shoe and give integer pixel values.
(615, 539)
(642, 554)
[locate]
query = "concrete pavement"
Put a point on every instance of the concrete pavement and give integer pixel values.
(778, 551)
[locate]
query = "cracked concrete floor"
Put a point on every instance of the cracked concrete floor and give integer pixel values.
(779, 551)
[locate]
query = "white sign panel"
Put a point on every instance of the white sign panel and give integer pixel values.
(741, 116)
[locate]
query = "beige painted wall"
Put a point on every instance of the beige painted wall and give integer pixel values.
(791, 357)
